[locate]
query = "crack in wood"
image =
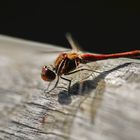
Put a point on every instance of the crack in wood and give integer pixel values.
(53, 109)
(11, 134)
(39, 130)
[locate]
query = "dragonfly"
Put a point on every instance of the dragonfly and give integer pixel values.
(67, 63)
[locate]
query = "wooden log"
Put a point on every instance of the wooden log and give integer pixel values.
(106, 106)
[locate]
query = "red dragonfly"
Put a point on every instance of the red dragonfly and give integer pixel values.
(67, 63)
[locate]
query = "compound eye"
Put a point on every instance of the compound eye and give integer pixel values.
(47, 74)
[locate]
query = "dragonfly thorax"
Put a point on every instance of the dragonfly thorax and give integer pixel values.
(66, 62)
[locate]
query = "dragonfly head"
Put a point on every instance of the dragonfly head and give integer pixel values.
(47, 74)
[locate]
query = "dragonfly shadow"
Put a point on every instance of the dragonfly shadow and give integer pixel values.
(85, 87)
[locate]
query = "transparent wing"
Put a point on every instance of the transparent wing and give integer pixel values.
(74, 44)
(84, 72)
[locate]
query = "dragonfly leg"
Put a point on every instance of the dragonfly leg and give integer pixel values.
(82, 69)
(90, 69)
(47, 91)
(68, 80)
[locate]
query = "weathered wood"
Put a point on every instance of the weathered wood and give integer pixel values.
(105, 107)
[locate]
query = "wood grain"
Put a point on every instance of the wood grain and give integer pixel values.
(105, 106)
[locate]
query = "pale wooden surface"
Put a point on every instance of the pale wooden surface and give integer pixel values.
(106, 108)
